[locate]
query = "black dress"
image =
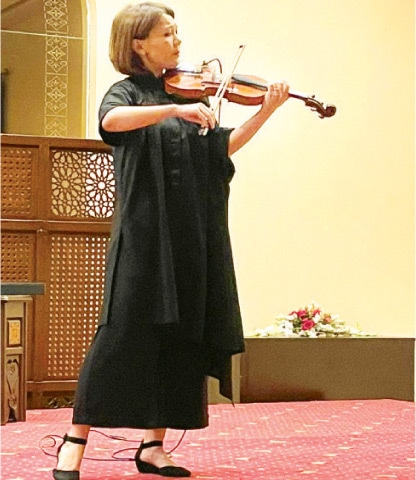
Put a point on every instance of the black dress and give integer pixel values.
(170, 314)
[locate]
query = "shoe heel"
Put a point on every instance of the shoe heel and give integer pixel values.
(64, 474)
(144, 467)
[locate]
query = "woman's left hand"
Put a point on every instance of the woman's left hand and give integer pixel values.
(277, 94)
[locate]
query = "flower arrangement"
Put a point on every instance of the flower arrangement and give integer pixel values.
(311, 321)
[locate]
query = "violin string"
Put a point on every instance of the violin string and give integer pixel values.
(224, 84)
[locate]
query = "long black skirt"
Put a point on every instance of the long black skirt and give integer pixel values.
(142, 376)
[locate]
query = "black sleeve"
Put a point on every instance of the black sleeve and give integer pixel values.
(120, 94)
(219, 147)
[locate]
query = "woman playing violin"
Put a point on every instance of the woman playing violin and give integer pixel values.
(170, 314)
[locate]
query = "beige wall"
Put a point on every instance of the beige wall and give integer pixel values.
(45, 64)
(321, 210)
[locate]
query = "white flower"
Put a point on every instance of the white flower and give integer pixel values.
(270, 331)
(322, 324)
(311, 333)
(326, 327)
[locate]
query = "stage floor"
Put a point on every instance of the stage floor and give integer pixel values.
(318, 440)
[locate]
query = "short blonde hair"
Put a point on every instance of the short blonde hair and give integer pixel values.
(133, 22)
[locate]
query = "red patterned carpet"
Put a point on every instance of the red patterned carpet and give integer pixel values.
(328, 440)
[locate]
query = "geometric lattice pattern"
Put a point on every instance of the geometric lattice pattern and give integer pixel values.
(16, 182)
(18, 257)
(57, 206)
(83, 184)
(75, 292)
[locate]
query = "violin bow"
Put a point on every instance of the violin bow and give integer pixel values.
(219, 95)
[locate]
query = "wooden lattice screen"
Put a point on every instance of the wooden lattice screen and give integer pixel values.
(57, 204)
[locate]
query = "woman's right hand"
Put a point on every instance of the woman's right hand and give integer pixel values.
(197, 113)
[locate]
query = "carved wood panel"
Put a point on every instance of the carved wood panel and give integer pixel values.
(17, 256)
(13, 366)
(17, 182)
(57, 204)
(82, 184)
(76, 280)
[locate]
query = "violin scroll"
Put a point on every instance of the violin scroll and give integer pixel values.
(310, 101)
(315, 105)
(324, 111)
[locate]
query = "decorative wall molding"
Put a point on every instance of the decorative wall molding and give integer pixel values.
(56, 67)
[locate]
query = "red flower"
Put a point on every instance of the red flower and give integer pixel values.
(316, 311)
(308, 324)
(302, 314)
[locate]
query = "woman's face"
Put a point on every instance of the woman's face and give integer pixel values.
(160, 50)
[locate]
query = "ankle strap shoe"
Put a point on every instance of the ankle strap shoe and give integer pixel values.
(145, 467)
(64, 474)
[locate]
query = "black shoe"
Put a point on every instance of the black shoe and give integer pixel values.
(145, 467)
(64, 474)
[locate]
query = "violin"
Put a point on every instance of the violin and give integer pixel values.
(199, 82)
